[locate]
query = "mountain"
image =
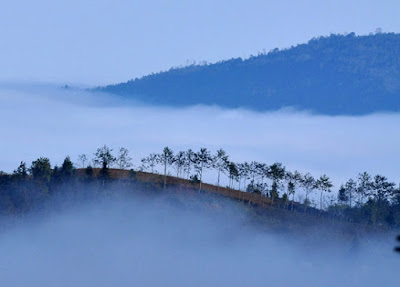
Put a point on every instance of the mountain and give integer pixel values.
(335, 75)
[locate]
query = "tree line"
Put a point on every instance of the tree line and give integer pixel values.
(366, 198)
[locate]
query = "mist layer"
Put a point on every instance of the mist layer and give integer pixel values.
(152, 242)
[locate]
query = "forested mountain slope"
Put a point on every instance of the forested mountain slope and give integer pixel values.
(339, 74)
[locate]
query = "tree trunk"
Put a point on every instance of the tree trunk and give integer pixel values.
(292, 202)
(350, 198)
(219, 172)
(320, 202)
(305, 203)
(165, 175)
(201, 178)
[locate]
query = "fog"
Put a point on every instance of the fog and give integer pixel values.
(44, 120)
(157, 242)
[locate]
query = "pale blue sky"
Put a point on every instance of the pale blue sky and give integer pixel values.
(100, 42)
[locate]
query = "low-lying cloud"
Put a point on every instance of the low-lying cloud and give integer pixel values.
(48, 121)
(132, 242)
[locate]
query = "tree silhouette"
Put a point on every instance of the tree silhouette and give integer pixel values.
(82, 158)
(342, 195)
(308, 183)
(243, 173)
(202, 161)
(233, 173)
(41, 172)
(189, 160)
(220, 162)
(166, 158)
(123, 159)
(67, 170)
(21, 172)
(276, 172)
(149, 162)
(382, 189)
(105, 159)
(350, 187)
(179, 162)
(364, 185)
(89, 173)
(324, 184)
(294, 180)
(252, 173)
(262, 171)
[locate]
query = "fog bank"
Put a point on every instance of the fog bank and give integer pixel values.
(41, 120)
(132, 242)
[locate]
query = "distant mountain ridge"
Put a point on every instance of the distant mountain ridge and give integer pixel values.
(339, 74)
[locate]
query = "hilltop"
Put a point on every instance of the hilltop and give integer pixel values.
(335, 75)
(22, 195)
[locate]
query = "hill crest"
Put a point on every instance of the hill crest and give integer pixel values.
(338, 74)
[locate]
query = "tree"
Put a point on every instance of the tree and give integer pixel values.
(149, 162)
(342, 195)
(396, 198)
(294, 179)
(166, 158)
(179, 162)
(41, 172)
(56, 175)
(202, 160)
(252, 172)
(104, 157)
(382, 189)
(285, 199)
(276, 172)
(123, 159)
(41, 169)
(350, 187)
(291, 190)
(364, 186)
(262, 171)
(324, 184)
(243, 172)
(190, 157)
(233, 173)
(21, 172)
(89, 173)
(308, 183)
(82, 158)
(220, 162)
(67, 170)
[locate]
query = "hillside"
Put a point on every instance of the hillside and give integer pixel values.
(23, 194)
(278, 216)
(339, 74)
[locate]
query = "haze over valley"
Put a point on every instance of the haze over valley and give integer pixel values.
(199, 143)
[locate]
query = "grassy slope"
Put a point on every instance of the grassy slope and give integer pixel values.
(314, 224)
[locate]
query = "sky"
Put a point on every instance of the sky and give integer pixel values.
(101, 42)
